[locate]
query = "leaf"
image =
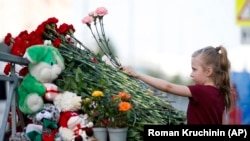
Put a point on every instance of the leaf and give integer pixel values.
(78, 75)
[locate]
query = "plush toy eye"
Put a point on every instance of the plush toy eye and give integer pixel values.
(43, 111)
(47, 110)
(51, 63)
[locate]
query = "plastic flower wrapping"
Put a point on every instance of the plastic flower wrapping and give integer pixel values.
(86, 72)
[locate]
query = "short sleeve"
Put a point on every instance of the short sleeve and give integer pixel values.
(196, 92)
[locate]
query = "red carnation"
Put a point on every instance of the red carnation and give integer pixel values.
(57, 42)
(7, 69)
(24, 71)
(7, 39)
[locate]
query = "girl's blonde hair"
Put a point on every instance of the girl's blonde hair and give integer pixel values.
(216, 57)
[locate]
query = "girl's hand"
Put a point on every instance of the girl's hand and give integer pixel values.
(129, 70)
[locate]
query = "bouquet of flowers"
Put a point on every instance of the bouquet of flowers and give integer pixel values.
(108, 110)
(120, 110)
(86, 72)
(95, 18)
(96, 107)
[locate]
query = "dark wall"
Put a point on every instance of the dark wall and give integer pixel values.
(3, 48)
(2, 90)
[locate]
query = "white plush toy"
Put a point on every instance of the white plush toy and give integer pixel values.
(72, 124)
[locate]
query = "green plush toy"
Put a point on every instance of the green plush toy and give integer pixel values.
(46, 64)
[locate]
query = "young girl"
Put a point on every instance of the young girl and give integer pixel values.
(209, 97)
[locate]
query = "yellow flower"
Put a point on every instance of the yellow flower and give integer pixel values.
(96, 107)
(97, 94)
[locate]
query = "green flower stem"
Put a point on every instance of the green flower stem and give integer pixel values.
(103, 42)
(98, 41)
(112, 57)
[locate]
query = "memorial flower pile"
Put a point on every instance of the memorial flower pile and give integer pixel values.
(85, 71)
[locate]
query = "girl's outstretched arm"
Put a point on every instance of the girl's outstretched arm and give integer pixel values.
(159, 84)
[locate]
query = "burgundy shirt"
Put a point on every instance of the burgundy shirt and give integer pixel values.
(206, 106)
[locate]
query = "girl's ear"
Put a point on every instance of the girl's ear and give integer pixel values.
(209, 71)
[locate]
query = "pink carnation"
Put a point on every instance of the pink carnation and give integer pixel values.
(87, 20)
(101, 11)
(92, 14)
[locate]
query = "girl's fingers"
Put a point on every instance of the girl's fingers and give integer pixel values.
(121, 68)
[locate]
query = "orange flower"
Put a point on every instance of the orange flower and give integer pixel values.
(114, 97)
(124, 106)
(120, 110)
(124, 96)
